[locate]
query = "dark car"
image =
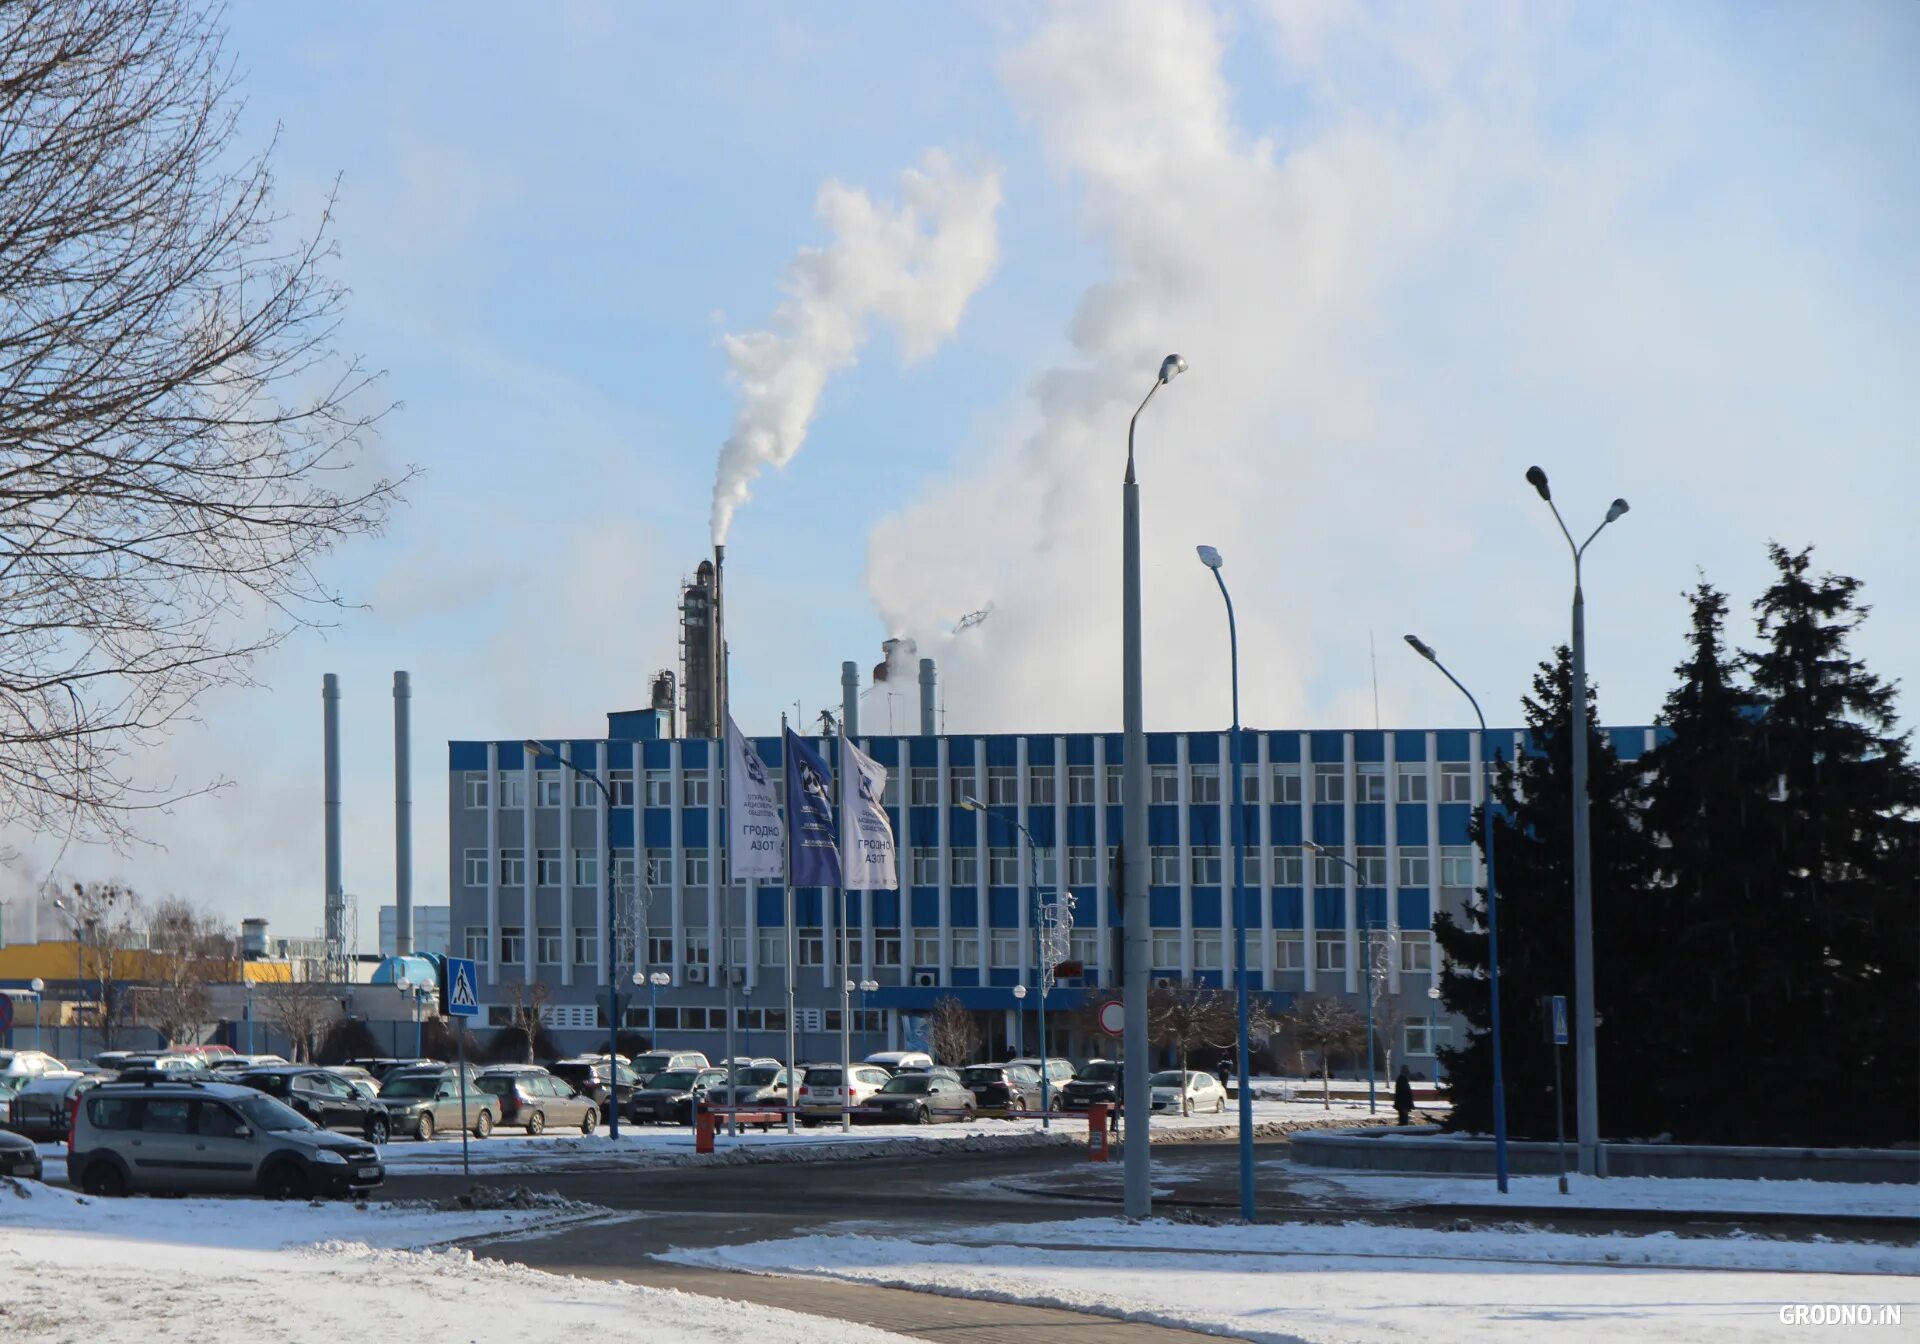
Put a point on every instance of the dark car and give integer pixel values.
(1098, 1081)
(1002, 1087)
(19, 1156)
(921, 1099)
(382, 1065)
(323, 1097)
(669, 1098)
(43, 1109)
(591, 1078)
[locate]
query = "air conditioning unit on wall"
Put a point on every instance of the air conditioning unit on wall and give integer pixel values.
(926, 979)
(696, 975)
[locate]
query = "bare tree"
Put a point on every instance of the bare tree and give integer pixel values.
(177, 431)
(188, 949)
(302, 1009)
(952, 1034)
(1187, 1014)
(105, 919)
(1326, 1025)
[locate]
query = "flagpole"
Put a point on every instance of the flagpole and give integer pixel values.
(793, 1058)
(725, 889)
(846, 1022)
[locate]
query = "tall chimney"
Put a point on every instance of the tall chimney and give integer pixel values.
(402, 814)
(336, 907)
(928, 728)
(850, 698)
(720, 707)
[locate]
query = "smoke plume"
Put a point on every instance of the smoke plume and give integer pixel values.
(914, 266)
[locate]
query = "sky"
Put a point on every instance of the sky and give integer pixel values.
(916, 265)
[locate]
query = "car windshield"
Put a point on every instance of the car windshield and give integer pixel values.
(823, 1077)
(499, 1084)
(759, 1077)
(908, 1082)
(1100, 1071)
(413, 1085)
(1171, 1078)
(981, 1074)
(43, 1086)
(651, 1064)
(675, 1081)
(268, 1115)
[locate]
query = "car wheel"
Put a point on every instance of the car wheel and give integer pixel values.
(536, 1123)
(377, 1131)
(483, 1124)
(424, 1130)
(287, 1181)
(1186, 1107)
(1220, 1106)
(104, 1180)
(923, 1116)
(589, 1122)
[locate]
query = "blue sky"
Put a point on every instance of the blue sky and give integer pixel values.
(1409, 249)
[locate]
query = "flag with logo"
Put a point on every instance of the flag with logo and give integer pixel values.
(866, 833)
(754, 832)
(813, 850)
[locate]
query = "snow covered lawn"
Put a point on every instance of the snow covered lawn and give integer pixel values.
(72, 1266)
(1813, 1198)
(1328, 1283)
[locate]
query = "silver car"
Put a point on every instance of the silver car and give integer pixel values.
(420, 1102)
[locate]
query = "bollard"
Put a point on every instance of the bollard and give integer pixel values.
(702, 1129)
(1097, 1132)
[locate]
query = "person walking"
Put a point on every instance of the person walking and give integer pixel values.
(1403, 1096)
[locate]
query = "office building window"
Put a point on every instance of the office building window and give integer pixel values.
(1003, 785)
(773, 947)
(586, 946)
(966, 868)
(961, 783)
(513, 788)
(1425, 1035)
(475, 942)
(810, 945)
(1289, 950)
(1163, 783)
(926, 947)
(659, 867)
(1207, 950)
(696, 867)
(546, 867)
(1040, 786)
(1165, 861)
(966, 948)
(1003, 867)
(1046, 868)
(1080, 785)
(1412, 778)
(1289, 866)
(513, 867)
(1250, 867)
(925, 781)
(925, 870)
(586, 792)
(513, 943)
(1329, 871)
(475, 867)
(1204, 781)
(1371, 860)
(548, 948)
(699, 947)
(693, 788)
(1330, 950)
(1286, 783)
(586, 867)
(890, 791)
(1370, 782)
(1206, 865)
(1249, 779)
(886, 947)
(546, 788)
(1414, 868)
(1116, 783)
(659, 788)
(1456, 865)
(1329, 784)
(1166, 949)
(623, 868)
(620, 785)
(1084, 945)
(1082, 869)
(475, 788)
(737, 950)
(660, 949)
(1416, 951)
(1456, 781)
(1004, 946)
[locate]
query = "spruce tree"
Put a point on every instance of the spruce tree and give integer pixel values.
(1534, 879)
(1836, 969)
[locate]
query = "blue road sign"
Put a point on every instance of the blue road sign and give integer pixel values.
(463, 998)
(1559, 1019)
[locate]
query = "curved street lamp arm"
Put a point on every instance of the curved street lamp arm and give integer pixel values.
(1464, 691)
(1136, 420)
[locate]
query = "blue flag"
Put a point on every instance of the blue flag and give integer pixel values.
(813, 843)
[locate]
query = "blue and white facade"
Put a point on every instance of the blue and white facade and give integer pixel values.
(529, 893)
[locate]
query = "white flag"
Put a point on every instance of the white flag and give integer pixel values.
(755, 840)
(866, 836)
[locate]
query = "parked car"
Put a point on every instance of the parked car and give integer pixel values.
(901, 1061)
(152, 1061)
(1059, 1072)
(669, 1098)
(421, 1101)
(11, 1083)
(1098, 1081)
(323, 1097)
(171, 1137)
(532, 1099)
(380, 1066)
(228, 1065)
(19, 1156)
(759, 1085)
(662, 1061)
(1002, 1087)
(41, 1110)
(921, 1099)
(592, 1078)
(1187, 1093)
(825, 1089)
(29, 1062)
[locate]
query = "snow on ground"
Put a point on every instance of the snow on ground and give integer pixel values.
(71, 1264)
(1336, 1283)
(1813, 1198)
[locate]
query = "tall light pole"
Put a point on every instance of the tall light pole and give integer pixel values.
(1593, 1161)
(1020, 1027)
(1135, 911)
(971, 804)
(1488, 829)
(39, 986)
(654, 984)
(1212, 560)
(866, 1032)
(540, 750)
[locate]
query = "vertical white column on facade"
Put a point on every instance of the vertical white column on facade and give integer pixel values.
(866, 907)
(1475, 753)
(676, 860)
(1393, 867)
(1433, 834)
(942, 788)
(566, 865)
(720, 960)
(1309, 927)
(1059, 829)
(1183, 797)
(493, 863)
(1024, 859)
(750, 932)
(642, 895)
(981, 937)
(1349, 813)
(1103, 959)
(1263, 835)
(603, 949)
(1229, 859)
(530, 918)
(903, 857)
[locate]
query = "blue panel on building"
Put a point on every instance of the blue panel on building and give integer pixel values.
(1250, 909)
(1216, 979)
(466, 755)
(1370, 824)
(1329, 823)
(1370, 744)
(1629, 744)
(1203, 748)
(1040, 822)
(1329, 746)
(849, 903)
(619, 755)
(923, 751)
(966, 829)
(1287, 908)
(885, 750)
(1416, 908)
(1163, 825)
(1040, 750)
(636, 725)
(1163, 907)
(886, 909)
(1003, 750)
(1329, 908)
(959, 751)
(1003, 908)
(620, 827)
(1116, 748)
(584, 754)
(1411, 823)
(1203, 823)
(1453, 744)
(659, 827)
(1409, 746)
(1206, 907)
(809, 907)
(770, 906)
(1004, 977)
(693, 827)
(1285, 823)
(926, 826)
(1373, 907)
(656, 755)
(964, 977)
(1079, 749)
(1283, 748)
(1454, 818)
(963, 904)
(694, 753)
(513, 756)
(1162, 748)
(926, 907)
(768, 750)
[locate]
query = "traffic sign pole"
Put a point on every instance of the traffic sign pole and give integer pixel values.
(1559, 1110)
(463, 1001)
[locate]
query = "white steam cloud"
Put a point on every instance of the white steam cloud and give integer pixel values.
(914, 266)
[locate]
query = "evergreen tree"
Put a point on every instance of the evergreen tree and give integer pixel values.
(1836, 968)
(1534, 881)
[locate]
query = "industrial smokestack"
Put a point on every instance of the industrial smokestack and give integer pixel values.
(927, 725)
(336, 907)
(720, 710)
(850, 697)
(402, 814)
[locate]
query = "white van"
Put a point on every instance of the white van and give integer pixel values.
(901, 1061)
(32, 1063)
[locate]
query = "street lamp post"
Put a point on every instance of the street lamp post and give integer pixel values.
(654, 982)
(1593, 1160)
(38, 986)
(1366, 935)
(1242, 1007)
(1020, 1026)
(866, 1032)
(540, 750)
(1493, 942)
(1135, 911)
(970, 804)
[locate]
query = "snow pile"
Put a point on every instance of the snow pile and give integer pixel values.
(1698, 1195)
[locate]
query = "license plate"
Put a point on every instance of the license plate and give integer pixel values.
(368, 1173)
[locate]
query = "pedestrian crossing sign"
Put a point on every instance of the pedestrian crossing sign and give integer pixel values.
(462, 998)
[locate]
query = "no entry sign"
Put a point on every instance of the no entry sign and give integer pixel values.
(1113, 1017)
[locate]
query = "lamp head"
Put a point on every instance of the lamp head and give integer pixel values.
(537, 749)
(1210, 557)
(639, 977)
(1420, 647)
(1171, 367)
(36, 984)
(1619, 507)
(1313, 848)
(1538, 480)
(968, 803)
